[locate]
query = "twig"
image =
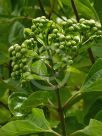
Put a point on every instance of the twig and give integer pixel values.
(75, 10)
(61, 114)
(91, 56)
(42, 8)
(51, 11)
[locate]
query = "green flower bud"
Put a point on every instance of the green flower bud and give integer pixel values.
(33, 27)
(18, 55)
(68, 37)
(94, 29)
(61, 46)
(13, 74)
(15, 67)
(55, 31)
(13, 63)
(23, 50)
(73, 42)
(23, 45)
(58, 51)
(17, 48)
(71, 28)
(74, 48)
(69, 22)
(81, 20)
(13, 53)
(68, 43)
(11, 49)
(24, 60)
(21, 65)
(70, 62)
(99, 32)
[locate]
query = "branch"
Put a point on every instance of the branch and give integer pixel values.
(42, 8)
(75, 10)
(91, 56)
(52, 7)
(61, 114)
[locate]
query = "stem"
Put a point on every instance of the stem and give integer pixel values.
(55, 133)
(61, 114)
(42, 8)
(71, 99)
(52, 7)
(91, 56)
(75, 10)
(60, 109)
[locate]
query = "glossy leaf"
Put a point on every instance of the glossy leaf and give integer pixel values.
(97, 6)
(93, 129)
(86, 9)
(93, 81)
(4, 115)
(15, 102)
(39, 68)
(35, 123)
(35, 99)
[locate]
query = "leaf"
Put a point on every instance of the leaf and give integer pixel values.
(93, 129)
(4, 115)
(13, 85)
(98, 8)
(75, 73)
(16, 33)
(92, 105)
(15, 102)
(5, 6)
(4, 57)
(73, 123)
(86, 9)
(39, 68)
(93, 81)
(98, 116)
(3, 88)
(35, 123)
(35, 99)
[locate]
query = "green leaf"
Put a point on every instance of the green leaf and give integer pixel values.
(16, 33)
(15, 102)
(35, 99)
(93, 129)
(3, 88)
(73, 79)
(92, 105)
(5, 6)
(93, 81)
(13, 85)
(39, 68)
(98, 116)
(98, 8)
(4, 115)
(74, 125)
(4, 57)
(86, 9)
(35, 123)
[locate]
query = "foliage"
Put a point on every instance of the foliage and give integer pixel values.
(50, 68)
